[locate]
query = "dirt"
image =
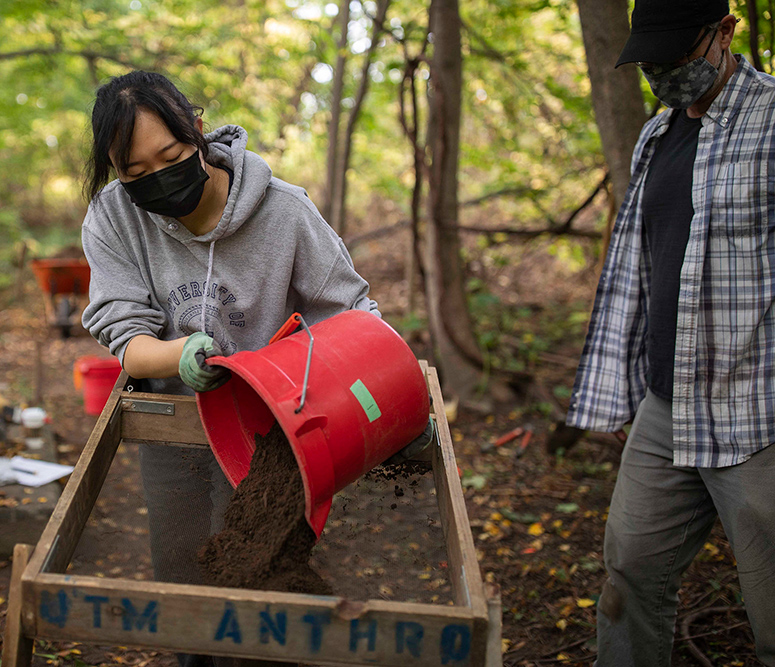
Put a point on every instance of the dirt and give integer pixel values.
(266, 541)
(398, 471)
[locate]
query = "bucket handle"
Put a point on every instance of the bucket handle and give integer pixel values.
(291, 324)
(285, 330)
(306, 371)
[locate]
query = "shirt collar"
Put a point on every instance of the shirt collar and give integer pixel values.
(730, 99)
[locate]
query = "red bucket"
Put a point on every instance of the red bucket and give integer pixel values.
(366, 398)
(96, 375)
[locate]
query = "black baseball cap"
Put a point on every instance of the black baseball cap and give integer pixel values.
(664, 30)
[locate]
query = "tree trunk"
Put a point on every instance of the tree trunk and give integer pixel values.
(338, 206)
(412, 255)
(753, 33)
(616, 94)
(455, 347)
(336, 109)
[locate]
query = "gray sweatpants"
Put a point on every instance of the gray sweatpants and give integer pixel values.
(187, 494)
(660, 517)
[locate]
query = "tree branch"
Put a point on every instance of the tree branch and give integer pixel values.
(56, 50)
(687, 637)
(519, 191)
(586, 202)
(557, 230)
(353, 241)
(565, 227)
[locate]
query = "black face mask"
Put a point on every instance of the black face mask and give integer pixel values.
(174, 191)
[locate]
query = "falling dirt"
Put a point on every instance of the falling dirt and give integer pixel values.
(266, 541)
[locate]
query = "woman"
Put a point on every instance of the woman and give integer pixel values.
(195, 246)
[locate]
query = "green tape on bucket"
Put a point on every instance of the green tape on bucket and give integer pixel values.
(366, 400)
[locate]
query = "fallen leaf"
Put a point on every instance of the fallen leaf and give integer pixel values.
(567, 508)
(585, 602)
(562, 624)
(477, 482)
(535, 529)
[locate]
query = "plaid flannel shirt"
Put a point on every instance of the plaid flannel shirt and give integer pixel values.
(724, 371)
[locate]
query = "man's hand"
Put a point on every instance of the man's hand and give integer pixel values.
(418, 449)
(193, 369)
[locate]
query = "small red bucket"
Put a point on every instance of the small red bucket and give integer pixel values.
(96, 375)
(365, 398)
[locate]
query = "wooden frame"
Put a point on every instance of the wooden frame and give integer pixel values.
(46, 602)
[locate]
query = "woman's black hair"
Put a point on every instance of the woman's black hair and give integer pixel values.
(113, 121)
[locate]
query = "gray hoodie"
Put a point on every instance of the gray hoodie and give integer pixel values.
(271, 254)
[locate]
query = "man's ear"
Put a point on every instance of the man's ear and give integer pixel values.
(727, 30)
(199, 124)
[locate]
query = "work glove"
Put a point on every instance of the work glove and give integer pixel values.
(418, 449)
(193, 369)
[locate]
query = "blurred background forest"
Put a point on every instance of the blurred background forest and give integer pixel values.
(338, 97)
(484, 255)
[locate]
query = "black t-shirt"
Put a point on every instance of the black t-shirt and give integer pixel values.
(667, 214)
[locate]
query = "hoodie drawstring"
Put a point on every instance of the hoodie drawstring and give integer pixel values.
(207, 287)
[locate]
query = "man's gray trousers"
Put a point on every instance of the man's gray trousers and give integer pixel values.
(660, 518)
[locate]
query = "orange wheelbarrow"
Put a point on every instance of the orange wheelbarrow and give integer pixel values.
(65, 284)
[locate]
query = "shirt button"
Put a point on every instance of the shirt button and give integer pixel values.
(173, 226)
(724, 121)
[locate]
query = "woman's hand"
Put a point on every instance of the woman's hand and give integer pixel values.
(192, 367)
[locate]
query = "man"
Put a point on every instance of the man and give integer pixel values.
(682, 335)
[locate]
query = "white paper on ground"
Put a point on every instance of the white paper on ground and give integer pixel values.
(31, 472)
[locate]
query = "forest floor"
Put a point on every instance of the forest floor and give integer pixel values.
(537, 519)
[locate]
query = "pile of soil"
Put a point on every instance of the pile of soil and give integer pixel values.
(266, 541)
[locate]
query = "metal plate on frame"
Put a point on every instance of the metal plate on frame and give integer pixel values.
(150, 407)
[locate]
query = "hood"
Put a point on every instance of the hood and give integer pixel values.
(252, 174)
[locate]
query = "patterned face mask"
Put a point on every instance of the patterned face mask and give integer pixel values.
(680, 87)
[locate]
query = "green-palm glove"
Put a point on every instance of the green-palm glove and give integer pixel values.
(193, 369)
(418, 450)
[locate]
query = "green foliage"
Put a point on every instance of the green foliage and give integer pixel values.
(514, 337)
(11, 233)
(262, 64)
